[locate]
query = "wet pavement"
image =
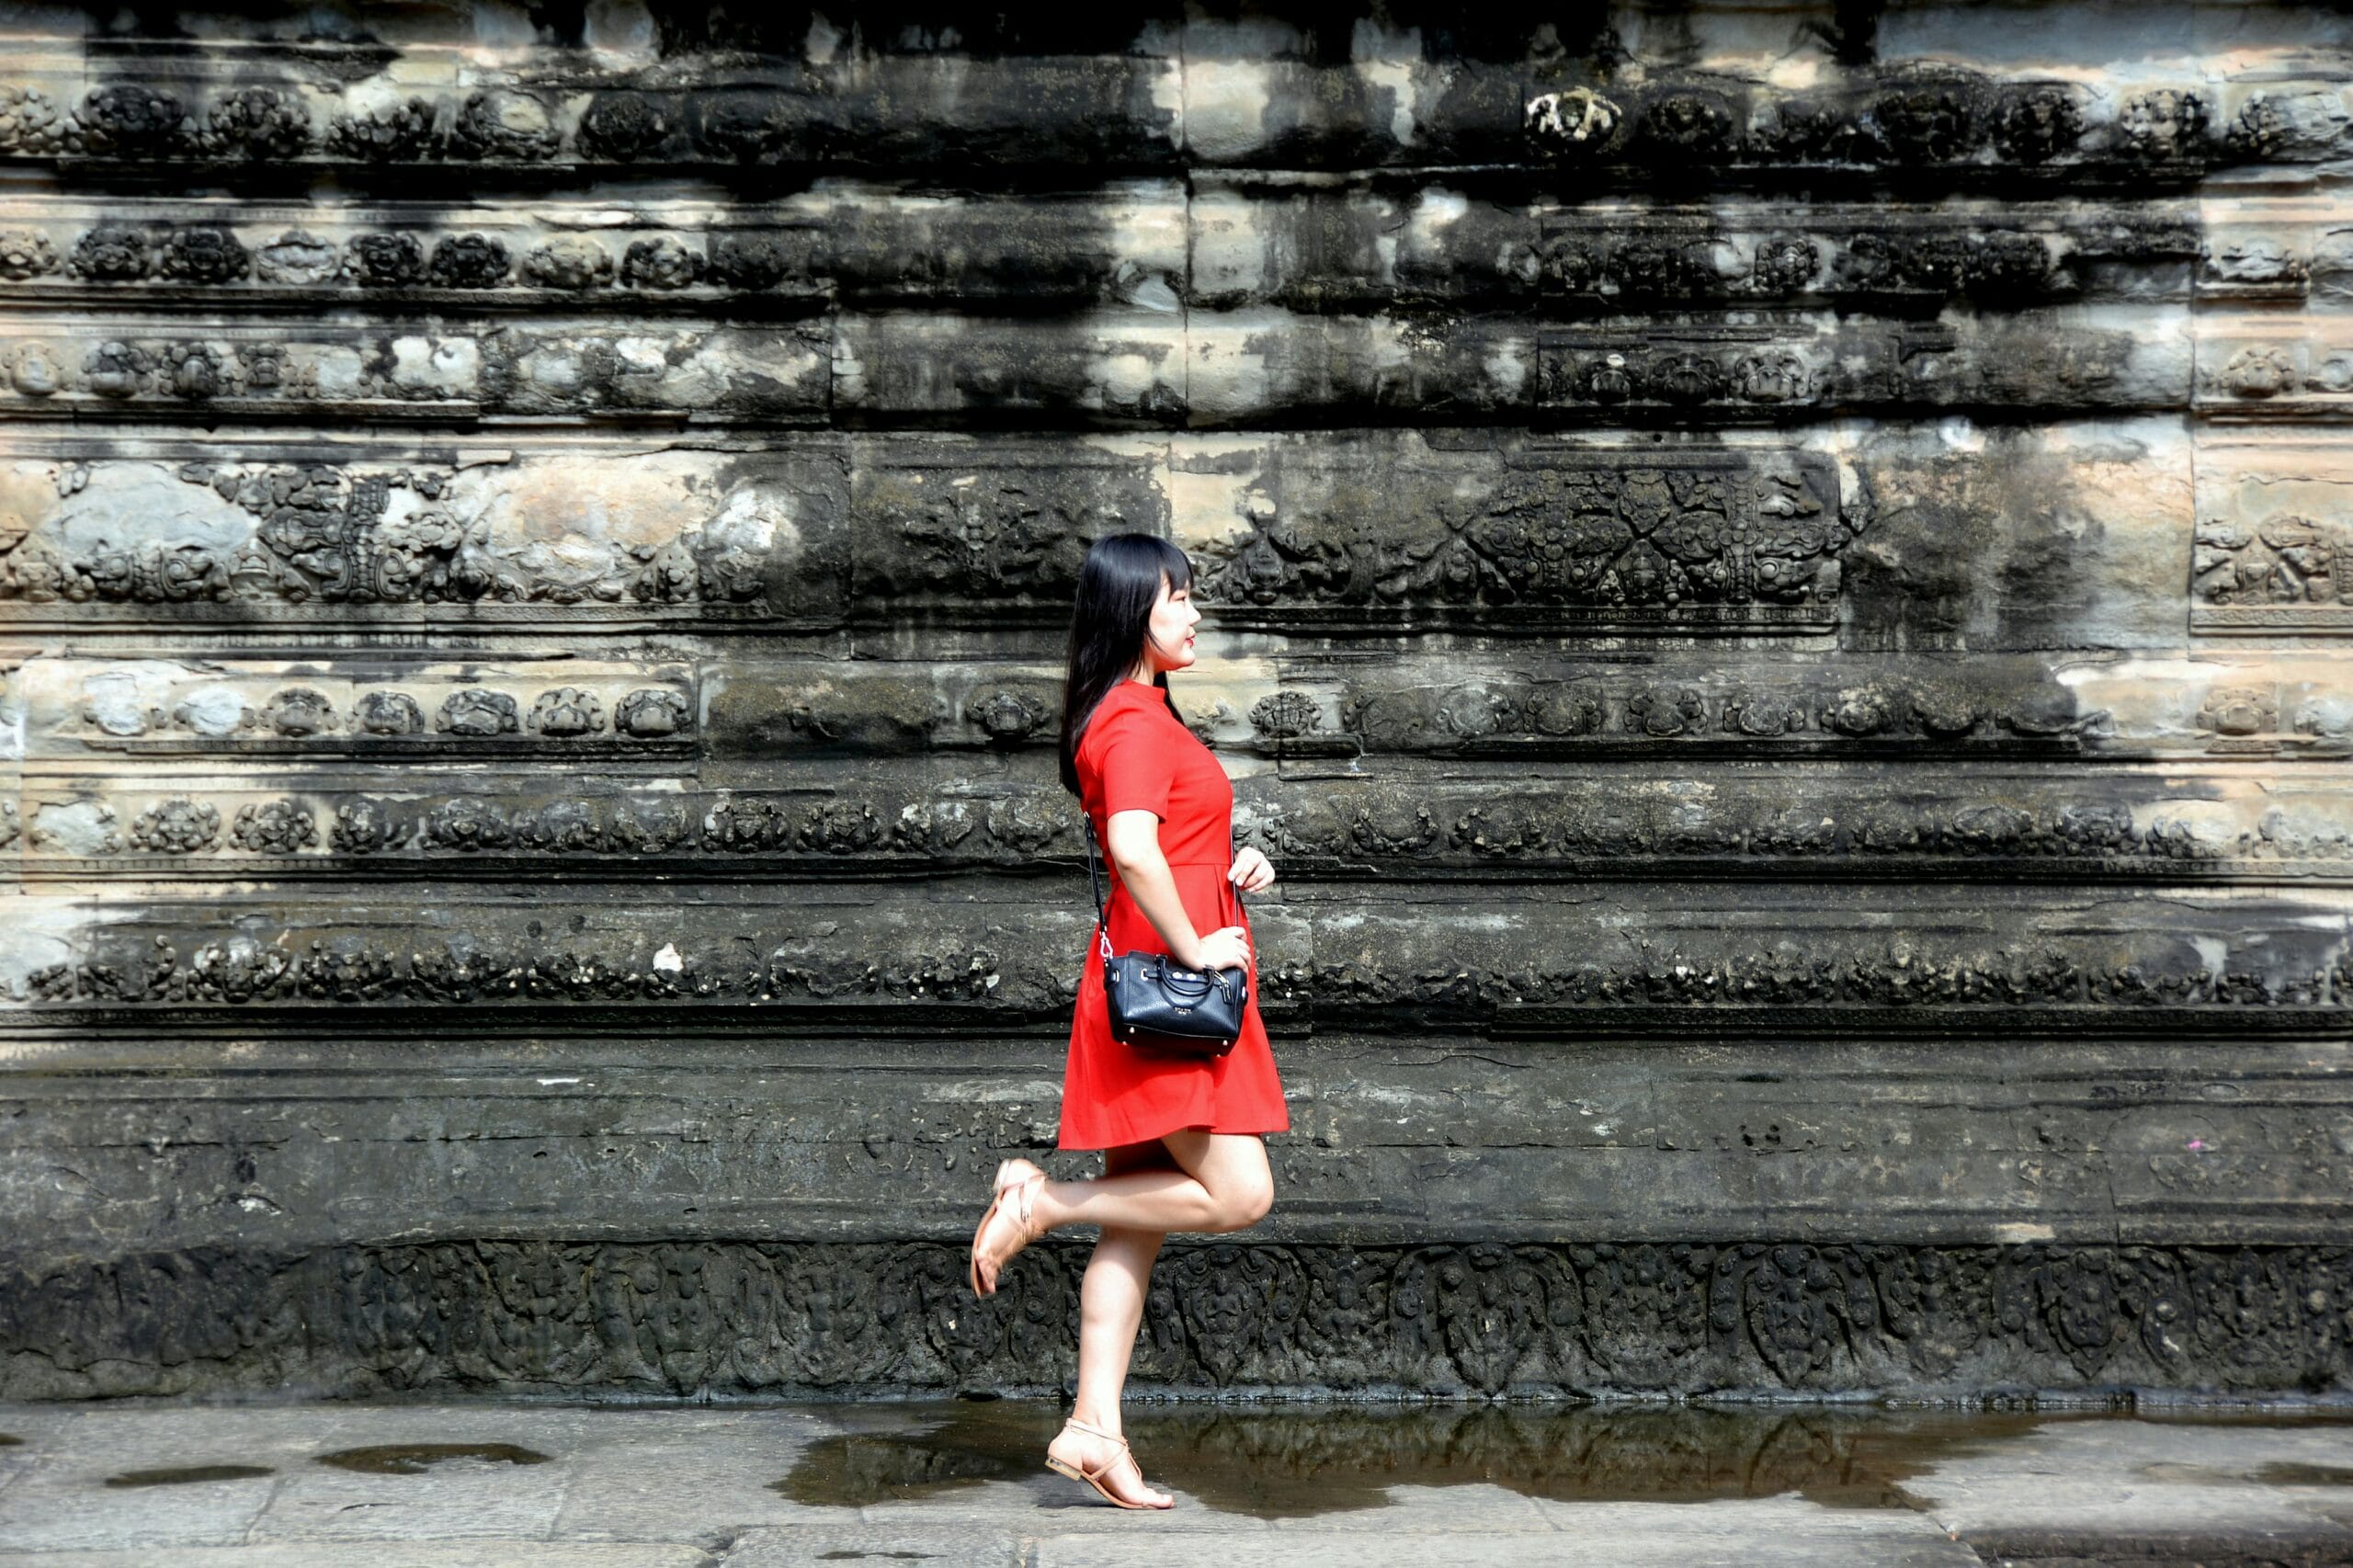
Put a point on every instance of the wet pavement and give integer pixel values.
(962, 1482)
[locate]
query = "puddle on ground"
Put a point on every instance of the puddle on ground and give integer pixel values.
(414, 1459)
(2289, 1474)
(1277, 1463)
(190, 1475)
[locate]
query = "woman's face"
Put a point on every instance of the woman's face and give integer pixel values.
(1169, 635)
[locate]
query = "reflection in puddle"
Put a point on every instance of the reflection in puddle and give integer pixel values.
(1275, 1464)
(413, 1459)
(2285, 1474)
(190, 1475)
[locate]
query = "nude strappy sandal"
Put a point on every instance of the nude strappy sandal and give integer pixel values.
(1022, 1181)
(1095, 1477)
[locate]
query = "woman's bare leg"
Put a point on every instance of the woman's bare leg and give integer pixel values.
(1219, 1180)
(1221, 1183)
(1110, 1310)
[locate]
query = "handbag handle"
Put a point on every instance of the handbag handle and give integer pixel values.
(1095, 875)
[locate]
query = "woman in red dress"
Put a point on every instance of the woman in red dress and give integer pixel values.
(1180, 1135)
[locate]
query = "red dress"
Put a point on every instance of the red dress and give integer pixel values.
(1135, 755)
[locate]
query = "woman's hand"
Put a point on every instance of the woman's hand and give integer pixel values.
(1228, 947)
(1251, 870)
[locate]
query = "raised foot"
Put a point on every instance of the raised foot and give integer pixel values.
(1009, 1224)
(1013, 1170)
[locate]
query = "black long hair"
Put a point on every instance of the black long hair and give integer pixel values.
(1118, 585)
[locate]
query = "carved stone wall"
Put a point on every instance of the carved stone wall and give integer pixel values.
(1777, 579)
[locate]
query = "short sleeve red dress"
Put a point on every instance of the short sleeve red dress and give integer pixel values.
(1135, 755)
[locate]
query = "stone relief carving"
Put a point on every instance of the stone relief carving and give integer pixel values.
(1888, 120)
(298, 713)
(1903, 254)
(388, 713)
(1740, 373)
(330, 536)
(1587, 1317)
(1407, 830)
(1604, 537)
(993, 524)
(654, 713)
(215, 719)
(2052, 977)
(325, 369)
(566, 712)
(1906, 121)
(175, 826)
(1879, 259)
(475, 713)
(273, 827)
(2286, 572)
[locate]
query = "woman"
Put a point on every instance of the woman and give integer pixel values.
(1180, 1135)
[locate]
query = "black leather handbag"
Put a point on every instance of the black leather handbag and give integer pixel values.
(1157, 1004)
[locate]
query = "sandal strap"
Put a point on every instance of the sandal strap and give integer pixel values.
(1125, 1456)
(1024, 1196)
(1074, 1421)
(1025, 1199)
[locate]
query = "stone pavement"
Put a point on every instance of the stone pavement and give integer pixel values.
(955, 1484)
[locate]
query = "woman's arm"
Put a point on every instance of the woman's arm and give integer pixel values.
(1134, 844)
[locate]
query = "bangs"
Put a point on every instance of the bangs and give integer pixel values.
(1177, 566)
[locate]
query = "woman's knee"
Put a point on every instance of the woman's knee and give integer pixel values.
(1244, 1202)
(1233, 1169)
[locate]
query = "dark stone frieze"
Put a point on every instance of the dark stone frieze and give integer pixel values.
(240, 970)
(888, 110)
(2288, 969)
(1407, 831)
(319, 369)
(1831, 708)
(791, 254)
(2284, 573)
(1722, 541)
(1316, 251)
(1144, 109)
(1122, 366)
(1890, 256)
(1833, 711)
(1315, 828)
(1534, 1320)
(1911, 119)
(1769, 370)
(214, 719)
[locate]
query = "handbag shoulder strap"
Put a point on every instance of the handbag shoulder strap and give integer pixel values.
(1094, 871)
